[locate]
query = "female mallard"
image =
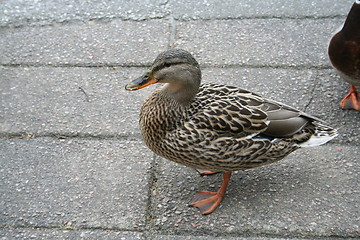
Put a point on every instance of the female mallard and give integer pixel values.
(217, 127)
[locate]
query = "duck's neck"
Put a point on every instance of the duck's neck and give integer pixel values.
(160, 114)
(182, 95)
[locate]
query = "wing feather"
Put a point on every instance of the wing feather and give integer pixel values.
(228, 110)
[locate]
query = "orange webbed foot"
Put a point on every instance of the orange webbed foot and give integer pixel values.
(351, 100)
(207, 202)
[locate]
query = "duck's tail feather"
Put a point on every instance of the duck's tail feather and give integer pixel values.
(322, 135)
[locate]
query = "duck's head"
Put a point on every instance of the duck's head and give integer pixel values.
(178, 69)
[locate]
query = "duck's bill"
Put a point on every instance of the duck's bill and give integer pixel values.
(140, 83)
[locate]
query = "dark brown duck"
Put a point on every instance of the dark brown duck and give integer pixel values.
(344, 54)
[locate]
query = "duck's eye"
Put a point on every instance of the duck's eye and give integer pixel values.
(166, 65)
(357, 1)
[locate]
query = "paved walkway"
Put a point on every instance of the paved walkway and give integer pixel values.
(72, 163)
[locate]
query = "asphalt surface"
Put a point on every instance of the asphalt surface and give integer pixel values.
(72, 161)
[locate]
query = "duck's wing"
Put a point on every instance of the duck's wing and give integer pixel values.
(224, 109)
(283, 120)
(236, 111)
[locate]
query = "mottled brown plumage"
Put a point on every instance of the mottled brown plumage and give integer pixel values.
(217, 127)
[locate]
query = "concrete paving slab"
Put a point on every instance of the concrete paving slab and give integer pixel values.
(53, 234)
(70, 101)
(73, 183)
(259, 42)
(313, 192)
(86, 44)
(218, 9)
(325, 103)
(230, 237)
(22, 12)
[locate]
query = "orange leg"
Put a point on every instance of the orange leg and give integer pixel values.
(207, 202)
(351, 100)
(206, 172)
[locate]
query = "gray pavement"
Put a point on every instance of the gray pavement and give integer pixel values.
(72, 162)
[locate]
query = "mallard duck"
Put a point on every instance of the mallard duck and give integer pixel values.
(344, 54)
(216, 127)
